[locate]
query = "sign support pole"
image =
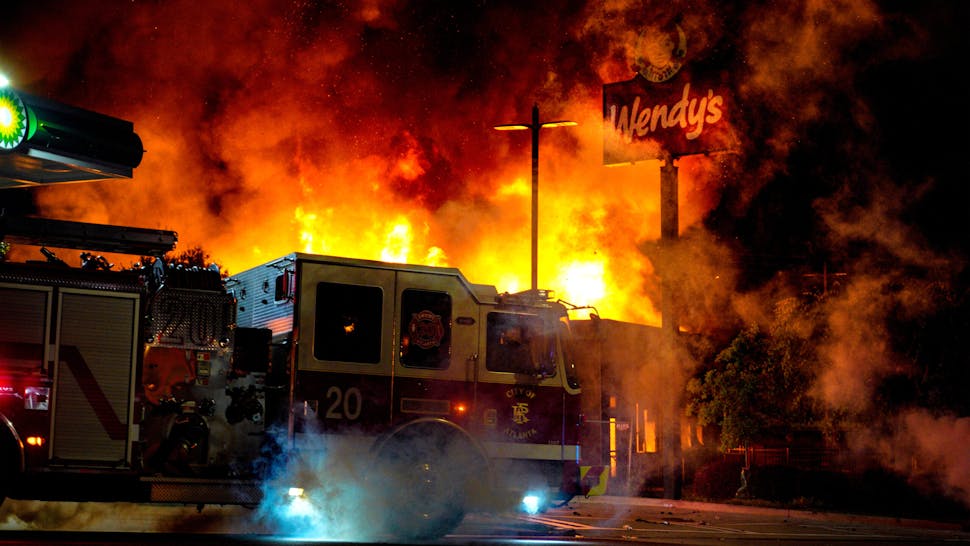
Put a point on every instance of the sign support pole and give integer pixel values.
(535, 196)
(669, 233)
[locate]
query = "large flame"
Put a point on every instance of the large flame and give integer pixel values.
(268, 133)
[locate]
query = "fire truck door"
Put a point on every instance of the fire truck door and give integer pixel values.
(96, 358)
(344, 361)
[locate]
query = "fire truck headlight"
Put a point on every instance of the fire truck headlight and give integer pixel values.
(297, 504)
(532, 503)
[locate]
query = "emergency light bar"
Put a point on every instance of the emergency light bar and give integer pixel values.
(46, 142)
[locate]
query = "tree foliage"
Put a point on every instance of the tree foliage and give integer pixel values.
(759, 384)
(194, 256)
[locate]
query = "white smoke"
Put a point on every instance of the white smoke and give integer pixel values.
(333, 504)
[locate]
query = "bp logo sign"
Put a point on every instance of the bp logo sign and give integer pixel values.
(14, 120)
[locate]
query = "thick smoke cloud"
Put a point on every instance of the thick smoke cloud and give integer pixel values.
(122, 517)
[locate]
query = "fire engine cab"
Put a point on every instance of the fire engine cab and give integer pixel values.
(449, 385)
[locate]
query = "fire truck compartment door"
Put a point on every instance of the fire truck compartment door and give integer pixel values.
(24, 316)
(96, 358)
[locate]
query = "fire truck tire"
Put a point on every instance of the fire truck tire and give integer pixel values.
(429, 469)
(10, 463)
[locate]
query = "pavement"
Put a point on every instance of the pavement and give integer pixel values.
(790, 513)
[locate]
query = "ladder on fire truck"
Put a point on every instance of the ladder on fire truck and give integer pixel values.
(33, 231)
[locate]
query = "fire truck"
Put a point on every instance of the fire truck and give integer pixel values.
(448, 385)
(164, 383)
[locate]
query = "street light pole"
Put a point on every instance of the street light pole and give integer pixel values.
(535, 196)
(534, 127)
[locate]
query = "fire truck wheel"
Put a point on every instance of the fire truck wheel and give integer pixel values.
(9, 463)
(428, 470)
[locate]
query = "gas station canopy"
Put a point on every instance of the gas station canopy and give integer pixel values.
(45, 142)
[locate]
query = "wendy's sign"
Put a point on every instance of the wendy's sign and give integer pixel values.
(665, 110)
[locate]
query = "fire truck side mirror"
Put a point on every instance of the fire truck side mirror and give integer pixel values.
(285, 286)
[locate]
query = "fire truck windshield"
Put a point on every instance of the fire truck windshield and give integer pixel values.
(569, 364)
(521, 344)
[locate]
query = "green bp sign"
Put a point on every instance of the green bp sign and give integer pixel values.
(15, 125)
(44, 142)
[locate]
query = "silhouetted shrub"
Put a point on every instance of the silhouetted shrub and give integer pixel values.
(717, 480)
(776, 483)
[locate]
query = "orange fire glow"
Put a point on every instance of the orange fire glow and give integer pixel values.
(251, 157)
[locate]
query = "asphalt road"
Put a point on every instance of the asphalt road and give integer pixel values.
(658, 521)
(599, 520)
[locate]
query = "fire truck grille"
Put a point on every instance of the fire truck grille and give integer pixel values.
(197, 491)
(191, 319)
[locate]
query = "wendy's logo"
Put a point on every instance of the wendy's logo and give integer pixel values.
(660, 52)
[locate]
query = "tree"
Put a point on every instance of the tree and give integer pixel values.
(194, 256)
(758, 386)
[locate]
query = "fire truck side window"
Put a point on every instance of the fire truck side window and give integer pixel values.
(348, 323)
(517, 344)
(426, 329)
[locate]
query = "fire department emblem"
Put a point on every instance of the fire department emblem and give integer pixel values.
(520, 413)
(660, 53)
(426, 329)
(521, 429)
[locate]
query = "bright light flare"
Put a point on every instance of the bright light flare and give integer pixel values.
(563, 123)
(35, 441)
(583, 282)
(531, 504)
(299, 507)
(4, 80)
